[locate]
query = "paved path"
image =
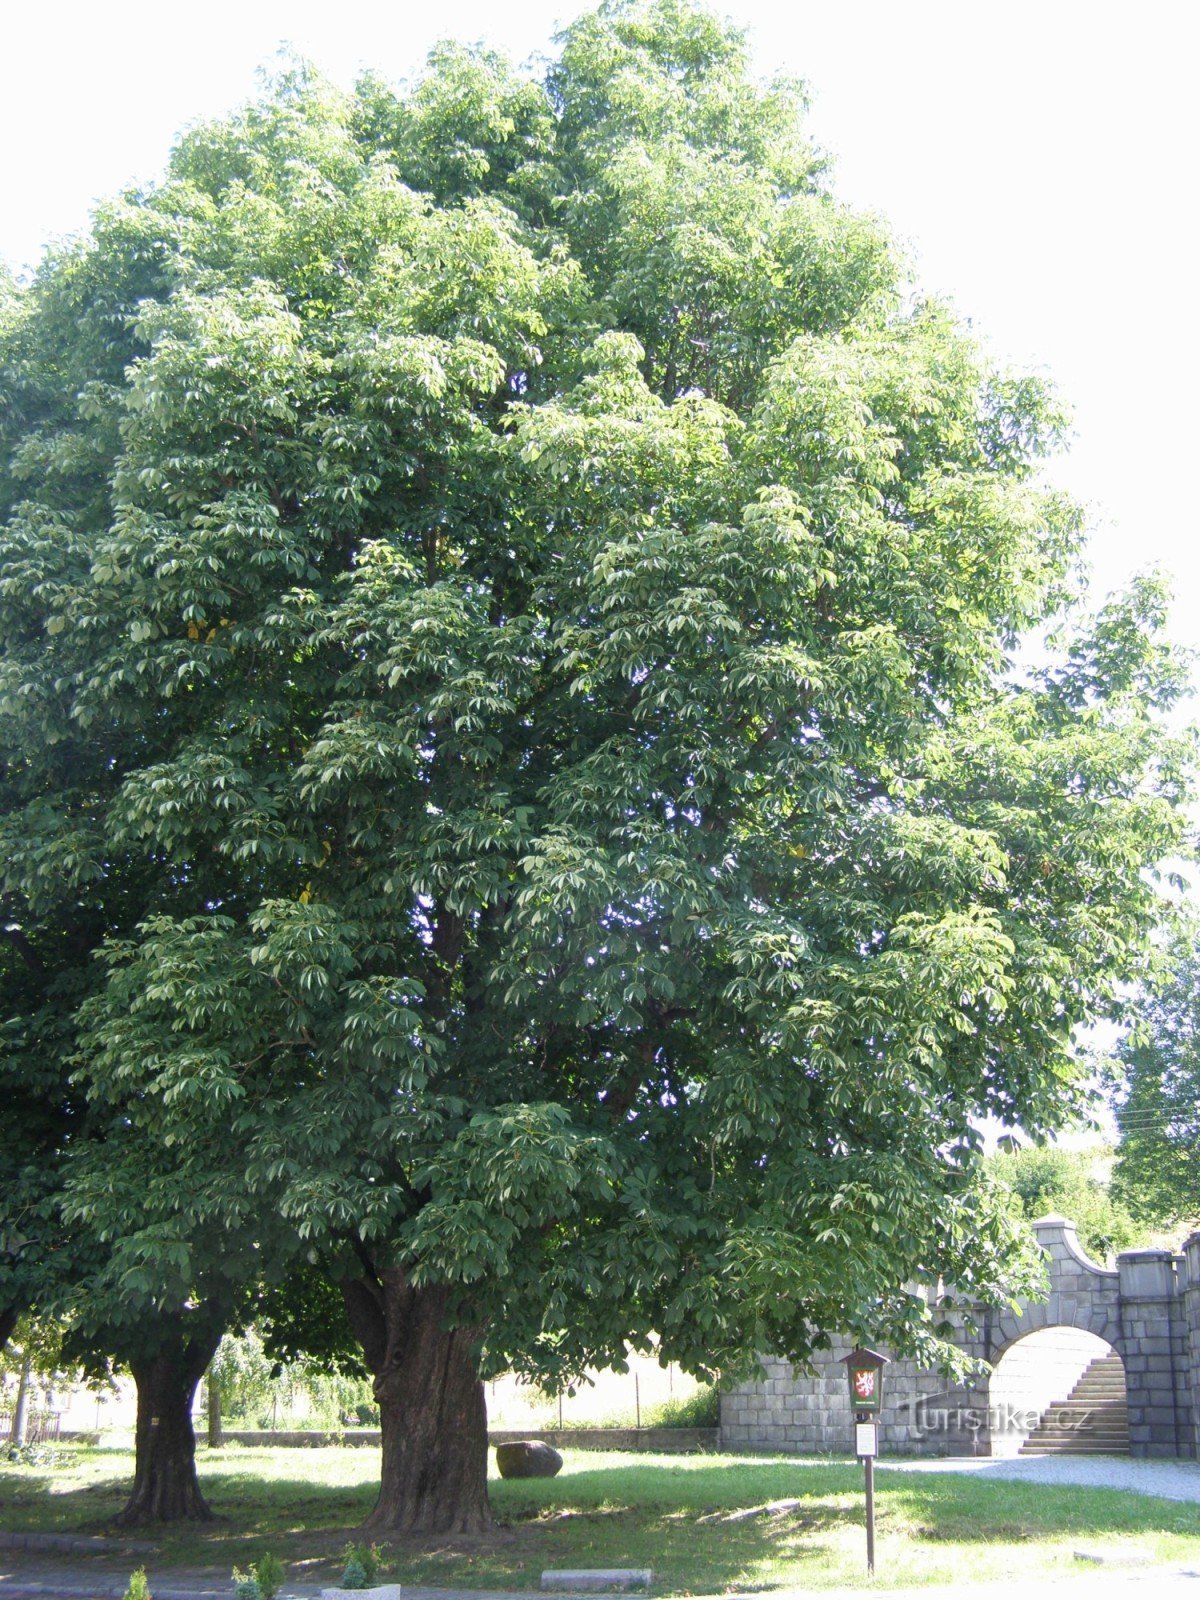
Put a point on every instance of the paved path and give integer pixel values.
(1172, 1480)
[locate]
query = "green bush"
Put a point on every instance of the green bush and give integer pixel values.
(268, 1573)
(362, 1566)
(699, 1410)
(138, 1587)
(1074, 1184)
(354, 1574)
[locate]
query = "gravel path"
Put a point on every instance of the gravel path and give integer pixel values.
(1172, 1480)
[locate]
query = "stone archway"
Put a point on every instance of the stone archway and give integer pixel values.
(1082, 1294)
(1058, 1391)
(1147, 1309)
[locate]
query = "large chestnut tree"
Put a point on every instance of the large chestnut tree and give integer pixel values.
(508, 611)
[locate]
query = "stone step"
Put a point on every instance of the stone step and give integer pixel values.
(1074, 1416)
(1077, 1447)
(1092, 1421)
(1077, 1450)
(1059, 1429)
(1068, 1442)
(1061, 1424)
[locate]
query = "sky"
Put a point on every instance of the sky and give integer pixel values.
(1038, 160)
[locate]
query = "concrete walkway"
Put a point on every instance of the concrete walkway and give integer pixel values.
(1171, 1480)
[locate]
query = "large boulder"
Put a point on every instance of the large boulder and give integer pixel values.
(528, 1458)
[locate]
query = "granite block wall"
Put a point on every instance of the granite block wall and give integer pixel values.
(1147, 1309)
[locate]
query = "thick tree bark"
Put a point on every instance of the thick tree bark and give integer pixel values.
(165, 1485)
(432, 1408)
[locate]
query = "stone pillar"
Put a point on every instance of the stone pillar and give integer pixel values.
(1154, 1349)
(1191, 1317)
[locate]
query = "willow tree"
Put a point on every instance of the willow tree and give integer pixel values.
(519, 592)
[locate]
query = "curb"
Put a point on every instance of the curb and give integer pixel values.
(18, 1590)
(75, 1544)
(114, 1589)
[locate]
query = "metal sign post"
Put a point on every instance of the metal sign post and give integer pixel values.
(864, 1371)
(866, 1447)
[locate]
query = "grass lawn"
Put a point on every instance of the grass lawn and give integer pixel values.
(679, 1515)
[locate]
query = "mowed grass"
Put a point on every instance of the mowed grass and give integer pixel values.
(704, 1524)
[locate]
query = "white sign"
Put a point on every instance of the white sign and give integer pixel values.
(866, 1439)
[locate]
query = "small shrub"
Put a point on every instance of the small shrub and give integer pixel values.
(699, 1410)
(362, 1566)
(32, 1455)
(354, 1574)
(268, 1572)
(246, 1586)
(138, 1587)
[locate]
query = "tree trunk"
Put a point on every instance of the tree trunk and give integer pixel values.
(20, 1422)
(212, 1396)
(432, 1408)
(9, 1317)
(165, 1486)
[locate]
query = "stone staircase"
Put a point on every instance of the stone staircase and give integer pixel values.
(1091, 1421)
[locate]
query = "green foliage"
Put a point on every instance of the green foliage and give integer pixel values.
(354, 1575)
(138, 1587)
(246, 1379)
(41, 1340)
(269, 1574)
(263, 1581)
(261, 1391)
(508, 604)
(701, 1409)
(31, 1455)
(1047, 1180)
(1157, 1171)
(361, 1566)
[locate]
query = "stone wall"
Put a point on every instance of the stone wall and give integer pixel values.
(659, 1440)
(1154, 1348)
(808, 1413)
(1191, 1333)
(1147, 1309)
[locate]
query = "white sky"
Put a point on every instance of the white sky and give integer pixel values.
(1039, 159)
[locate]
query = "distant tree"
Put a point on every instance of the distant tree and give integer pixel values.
(1048, 1179)
(1157, 1171)
(507, 604)
(156, 1302)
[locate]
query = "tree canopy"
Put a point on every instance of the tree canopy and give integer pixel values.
(1074, 1183)
(1158, 1112)
(508, 609)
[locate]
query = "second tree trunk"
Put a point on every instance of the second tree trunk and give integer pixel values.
(433, 1412)
(165, 1485)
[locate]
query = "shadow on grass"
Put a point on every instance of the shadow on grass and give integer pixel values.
(676, 1520)
(683, 1517)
